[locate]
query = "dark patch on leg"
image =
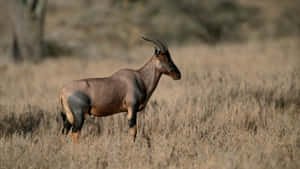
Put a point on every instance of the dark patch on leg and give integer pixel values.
(66, 124)
(132, 121)
(89, 110)
(78, 102)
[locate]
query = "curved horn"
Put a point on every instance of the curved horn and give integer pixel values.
(157, 43)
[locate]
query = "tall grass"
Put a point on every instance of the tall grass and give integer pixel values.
(237, 106)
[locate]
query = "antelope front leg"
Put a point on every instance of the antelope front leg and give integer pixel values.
(132, 122)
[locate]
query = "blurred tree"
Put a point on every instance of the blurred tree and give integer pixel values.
(27, 18)
(123, 2)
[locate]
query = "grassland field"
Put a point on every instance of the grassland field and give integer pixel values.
(237, 106)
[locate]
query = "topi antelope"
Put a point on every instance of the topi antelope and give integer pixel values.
(126, 90)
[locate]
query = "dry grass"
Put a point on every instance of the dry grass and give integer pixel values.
(237, 106)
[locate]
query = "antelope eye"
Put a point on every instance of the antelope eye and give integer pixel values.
(156, 52)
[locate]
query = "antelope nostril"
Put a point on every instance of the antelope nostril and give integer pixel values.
(178, 75)
(174, 71)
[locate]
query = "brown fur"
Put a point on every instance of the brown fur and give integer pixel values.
(127, 90)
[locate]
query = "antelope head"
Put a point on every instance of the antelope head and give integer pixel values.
(163, 60)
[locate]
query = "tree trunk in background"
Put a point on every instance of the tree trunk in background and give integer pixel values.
(27, 18)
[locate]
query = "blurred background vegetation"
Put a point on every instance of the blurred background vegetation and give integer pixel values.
(93, 28)
(237, 105)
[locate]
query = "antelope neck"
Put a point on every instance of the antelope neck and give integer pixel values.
(150, 76)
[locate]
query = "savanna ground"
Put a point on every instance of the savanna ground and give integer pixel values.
(237, 106)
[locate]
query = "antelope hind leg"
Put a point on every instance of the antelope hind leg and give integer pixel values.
(79, 104)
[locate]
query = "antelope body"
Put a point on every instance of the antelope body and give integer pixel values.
(126, 90)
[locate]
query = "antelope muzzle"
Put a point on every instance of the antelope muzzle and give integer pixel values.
(175, 73)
